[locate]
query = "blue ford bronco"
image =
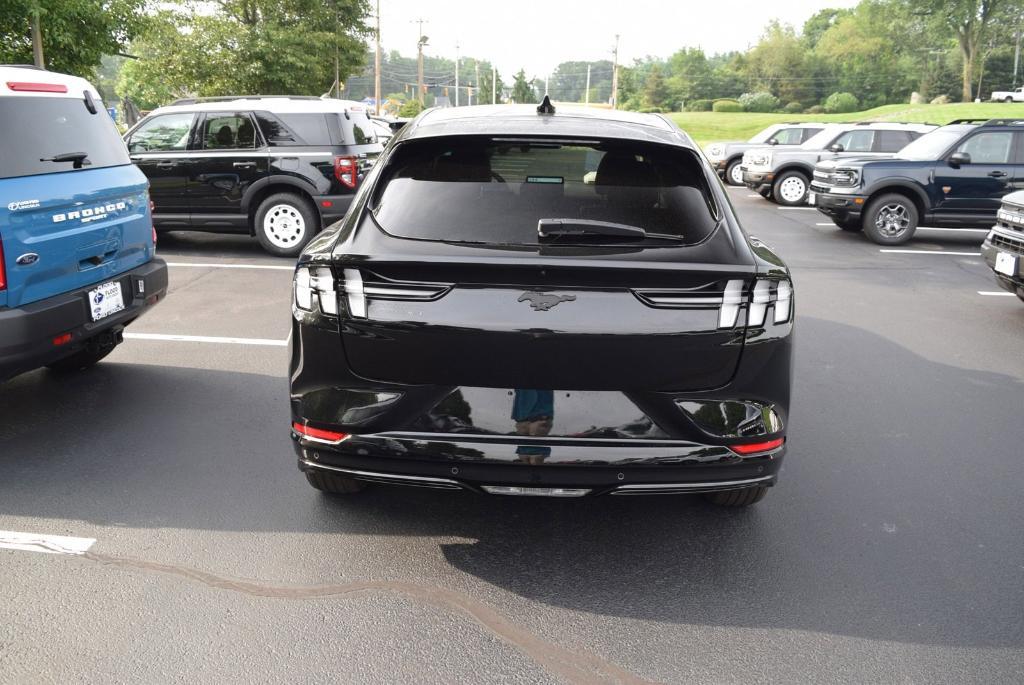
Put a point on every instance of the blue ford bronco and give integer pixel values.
(77, 245)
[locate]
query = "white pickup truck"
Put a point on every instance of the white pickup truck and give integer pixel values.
(1008, 95)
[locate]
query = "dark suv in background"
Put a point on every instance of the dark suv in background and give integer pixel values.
(954, 177)
(526, 302)
(279, 168)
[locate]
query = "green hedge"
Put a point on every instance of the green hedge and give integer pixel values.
(759, 102)
(699, 106)
(727, 106)
(794, 108)
(841, 103)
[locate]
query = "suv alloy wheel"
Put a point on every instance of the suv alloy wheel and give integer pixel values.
(790, 189)
(284, 223)
(891, 219)
(733, 173)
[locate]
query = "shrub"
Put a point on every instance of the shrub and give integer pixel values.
(841, 103)
(814, 109)
(727, 106)
(941, 100)
(794, 108)
(759, 102)
(410, 108)
(650, 110)
(698, 106)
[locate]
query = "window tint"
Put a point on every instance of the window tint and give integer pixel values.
(228, 132)
(162, 133)
(307, 129)
(893, 141)
(361, 128)
(476, 190)
(274, 129)
(856, 141)
(35, 128)
(992, 147)
(789, 136)
(810, 133)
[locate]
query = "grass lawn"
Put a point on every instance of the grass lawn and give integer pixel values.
(711, 127)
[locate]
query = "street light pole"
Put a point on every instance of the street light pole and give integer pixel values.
(586, 93)
(376, 67)
(615, 74)
(456, 74)
(494, 85)
(419, 59)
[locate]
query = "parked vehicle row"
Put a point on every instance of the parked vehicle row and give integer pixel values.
(727, 157)
(77, 244)
(278, 168)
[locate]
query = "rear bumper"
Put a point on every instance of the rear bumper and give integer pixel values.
(332, 207)
(27, 333)
(479, 463)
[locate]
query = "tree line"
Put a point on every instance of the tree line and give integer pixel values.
(878, 52)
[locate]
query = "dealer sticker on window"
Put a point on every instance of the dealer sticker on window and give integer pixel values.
(105, 300)
(1006, 264)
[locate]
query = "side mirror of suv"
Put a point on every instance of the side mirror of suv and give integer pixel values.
(773, 141)
(958, 158)
(837, 148)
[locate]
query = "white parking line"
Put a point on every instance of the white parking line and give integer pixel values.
(48, 544)
(948, 253)
(211, 265)
(1000, 293)
(755, 195)
(929, 228)
(810, 208)
(206, 339)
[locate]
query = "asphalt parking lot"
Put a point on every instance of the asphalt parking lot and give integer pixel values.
(891, 550)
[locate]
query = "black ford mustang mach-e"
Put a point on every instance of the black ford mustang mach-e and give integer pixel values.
(529, 302)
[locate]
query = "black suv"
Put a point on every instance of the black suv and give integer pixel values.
(279, 168)
(524, 302)
(953, 177)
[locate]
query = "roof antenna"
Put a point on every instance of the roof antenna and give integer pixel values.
(545, 107)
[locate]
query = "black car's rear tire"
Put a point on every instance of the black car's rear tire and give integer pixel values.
(733, 176)
(334, 484)
(790, 189)
(79, 361)
(284, 223)
(891, 219)
(849, 224)
(737, 498)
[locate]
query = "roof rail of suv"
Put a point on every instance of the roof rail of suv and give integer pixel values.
(968, 121)
(23, 66)
(229, 98)
(1004, 122)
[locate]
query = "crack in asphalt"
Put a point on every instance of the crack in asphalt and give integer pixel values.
(574, 666)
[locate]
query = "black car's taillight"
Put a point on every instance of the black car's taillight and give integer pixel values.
(314, 289)
(346, 170)
(317, 289)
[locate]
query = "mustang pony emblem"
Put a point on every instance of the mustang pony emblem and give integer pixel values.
(542, 302)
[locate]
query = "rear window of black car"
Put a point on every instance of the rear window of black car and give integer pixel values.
(496, 191)
(37, 129)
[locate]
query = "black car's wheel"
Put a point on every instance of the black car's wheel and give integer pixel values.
(848, 224)
(790, 189)
(79, 361)
(334, 484)
(733, 173)
(766, 193)
(737, 498)
(891, 219)
(284, 223)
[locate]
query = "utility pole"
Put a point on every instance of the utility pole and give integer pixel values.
(615, 74)
(337, 69)
(1016, 59)
(586, 93)
(456, 74)
(546, 77)
(476, 69)
(376, 67)
(419, 59)
(37, 40)
(494, 85)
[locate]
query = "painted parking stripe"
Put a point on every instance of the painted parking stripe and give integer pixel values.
(755, 195)
(806, 208)
(1001, 293)
(206, 339)
(948, 253)
(211, 265)
(928, 228)
(48, 544)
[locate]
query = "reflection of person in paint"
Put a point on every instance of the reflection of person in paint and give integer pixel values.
(533, 412)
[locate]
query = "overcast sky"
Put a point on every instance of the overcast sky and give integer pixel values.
(538, 34)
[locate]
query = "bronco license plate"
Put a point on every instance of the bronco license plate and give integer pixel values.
(105, 300)
(1006, 263)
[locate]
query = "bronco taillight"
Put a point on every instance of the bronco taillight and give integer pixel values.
(346, 170)
(3, 274)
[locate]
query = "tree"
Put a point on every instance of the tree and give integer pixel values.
(970, 21)
(76, 33)
(482, 94)
(779, 64)
(690, 76)
(522, 90)
(656, 94)
(286, 47)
